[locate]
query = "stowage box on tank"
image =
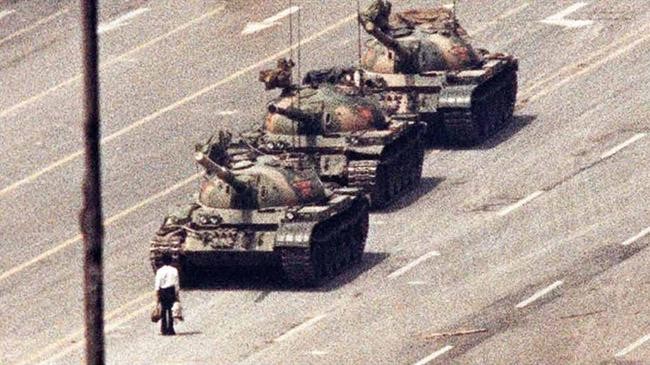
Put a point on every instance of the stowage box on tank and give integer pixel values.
(421, 61)
(263, 210)
(348, 136)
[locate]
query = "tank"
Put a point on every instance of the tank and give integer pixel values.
(256, 209)
(347, 135)
(422, 61)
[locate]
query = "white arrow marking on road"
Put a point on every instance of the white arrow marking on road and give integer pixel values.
(559, 18)
(269, 22)
(4, 13)
(106, 27)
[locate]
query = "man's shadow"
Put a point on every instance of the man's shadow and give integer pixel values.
(518, 123)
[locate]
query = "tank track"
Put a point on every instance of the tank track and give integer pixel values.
(336, 244)
(172, 243)
(389, 178)
(492, 109)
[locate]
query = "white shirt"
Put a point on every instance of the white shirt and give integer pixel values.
(167, 276)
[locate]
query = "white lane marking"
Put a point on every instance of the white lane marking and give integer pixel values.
(616, 149)
(513, 11)
(640, 235)
(559, 18)
(299, 328)
(227, 112)
(120, 21)
(255, 27)
(77, 337)
(107, 329)
(170, 107)
(33, 26)
(109, 62)
(5, 13)
(540, 294)
(378, 223)
(633, 346)
(520, 203)
(503, 16)
(318, 353)
(417, 282)
(434, 355)
(413, 264)
(16, 269)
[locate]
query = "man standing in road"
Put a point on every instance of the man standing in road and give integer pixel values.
(167, 287)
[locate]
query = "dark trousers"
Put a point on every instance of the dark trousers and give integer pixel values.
(167, 297)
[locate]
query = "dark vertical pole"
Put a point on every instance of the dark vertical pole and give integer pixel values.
(91, 213)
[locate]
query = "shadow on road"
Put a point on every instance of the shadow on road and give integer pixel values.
(189, 333)
(426, 185)
(269, 279)
(518, 123)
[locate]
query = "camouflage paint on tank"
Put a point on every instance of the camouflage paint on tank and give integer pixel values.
(256, 209)
(418, 41)
(269, 183)
(328, 109)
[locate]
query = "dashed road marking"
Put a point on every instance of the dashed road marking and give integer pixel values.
(5, 13)
(300, 328)
(318, 353)
(120, 58)
(637, 237)
(540, 294)
(173, 106)
(120, 21)
(560, 18)
(76, 338)
(269, 22)
(33, 26)
(434, 355)
(417, 283)
(633, 346)
(412, 264)
(16, 269)
(505, 15)
(616, 149)
(519, 204)
(226, 113)
(619, 48)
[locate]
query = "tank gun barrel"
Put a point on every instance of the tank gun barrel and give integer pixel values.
(291, 113)
(222, 173)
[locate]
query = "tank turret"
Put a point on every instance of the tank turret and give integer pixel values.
(420, 62)
(415, 41)
(327, 109)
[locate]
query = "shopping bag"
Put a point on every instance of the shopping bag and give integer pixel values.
(156, 313)
(177, 311)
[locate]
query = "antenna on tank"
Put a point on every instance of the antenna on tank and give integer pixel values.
(359, 31)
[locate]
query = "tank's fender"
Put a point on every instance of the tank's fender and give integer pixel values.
(460, 96)
(294, 234)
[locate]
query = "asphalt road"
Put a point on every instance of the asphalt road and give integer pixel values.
(535, 244)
